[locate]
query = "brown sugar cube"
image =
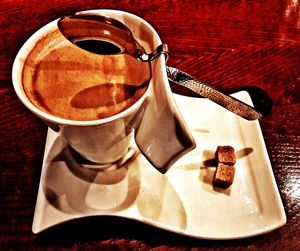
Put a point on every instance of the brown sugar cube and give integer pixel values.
(224, 175)
(225, 154)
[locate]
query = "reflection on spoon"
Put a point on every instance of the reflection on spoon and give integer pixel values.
(99, 46)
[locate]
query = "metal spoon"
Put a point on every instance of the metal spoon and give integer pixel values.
(114, 37)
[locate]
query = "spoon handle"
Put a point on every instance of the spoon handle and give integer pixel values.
(236, 106)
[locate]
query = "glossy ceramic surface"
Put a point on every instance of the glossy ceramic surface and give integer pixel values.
(183, 200)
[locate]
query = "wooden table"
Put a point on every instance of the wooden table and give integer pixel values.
(233, 46)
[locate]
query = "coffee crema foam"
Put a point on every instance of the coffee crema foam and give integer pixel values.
(68, 82)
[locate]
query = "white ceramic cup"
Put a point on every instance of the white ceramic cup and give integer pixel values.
(159, 130)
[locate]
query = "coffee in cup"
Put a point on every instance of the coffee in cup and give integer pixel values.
(69, 82)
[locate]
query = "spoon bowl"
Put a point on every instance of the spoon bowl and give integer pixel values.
(104, 35)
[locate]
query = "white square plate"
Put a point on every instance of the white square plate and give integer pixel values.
(183, 200)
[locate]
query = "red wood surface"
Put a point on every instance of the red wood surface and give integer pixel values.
(233, 45)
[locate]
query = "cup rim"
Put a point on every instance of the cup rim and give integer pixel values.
(17, 70)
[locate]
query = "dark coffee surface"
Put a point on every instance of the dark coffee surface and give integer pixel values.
(72, 83)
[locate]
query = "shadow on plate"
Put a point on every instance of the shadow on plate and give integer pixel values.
(72, 188)
(261, 100)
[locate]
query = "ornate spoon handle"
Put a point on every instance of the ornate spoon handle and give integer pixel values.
(238, 107)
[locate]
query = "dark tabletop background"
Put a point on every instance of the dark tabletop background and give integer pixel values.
(233, 45)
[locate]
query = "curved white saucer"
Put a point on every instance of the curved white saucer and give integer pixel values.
(183, 200)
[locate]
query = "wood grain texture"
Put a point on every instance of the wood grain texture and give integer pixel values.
(233, 45)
